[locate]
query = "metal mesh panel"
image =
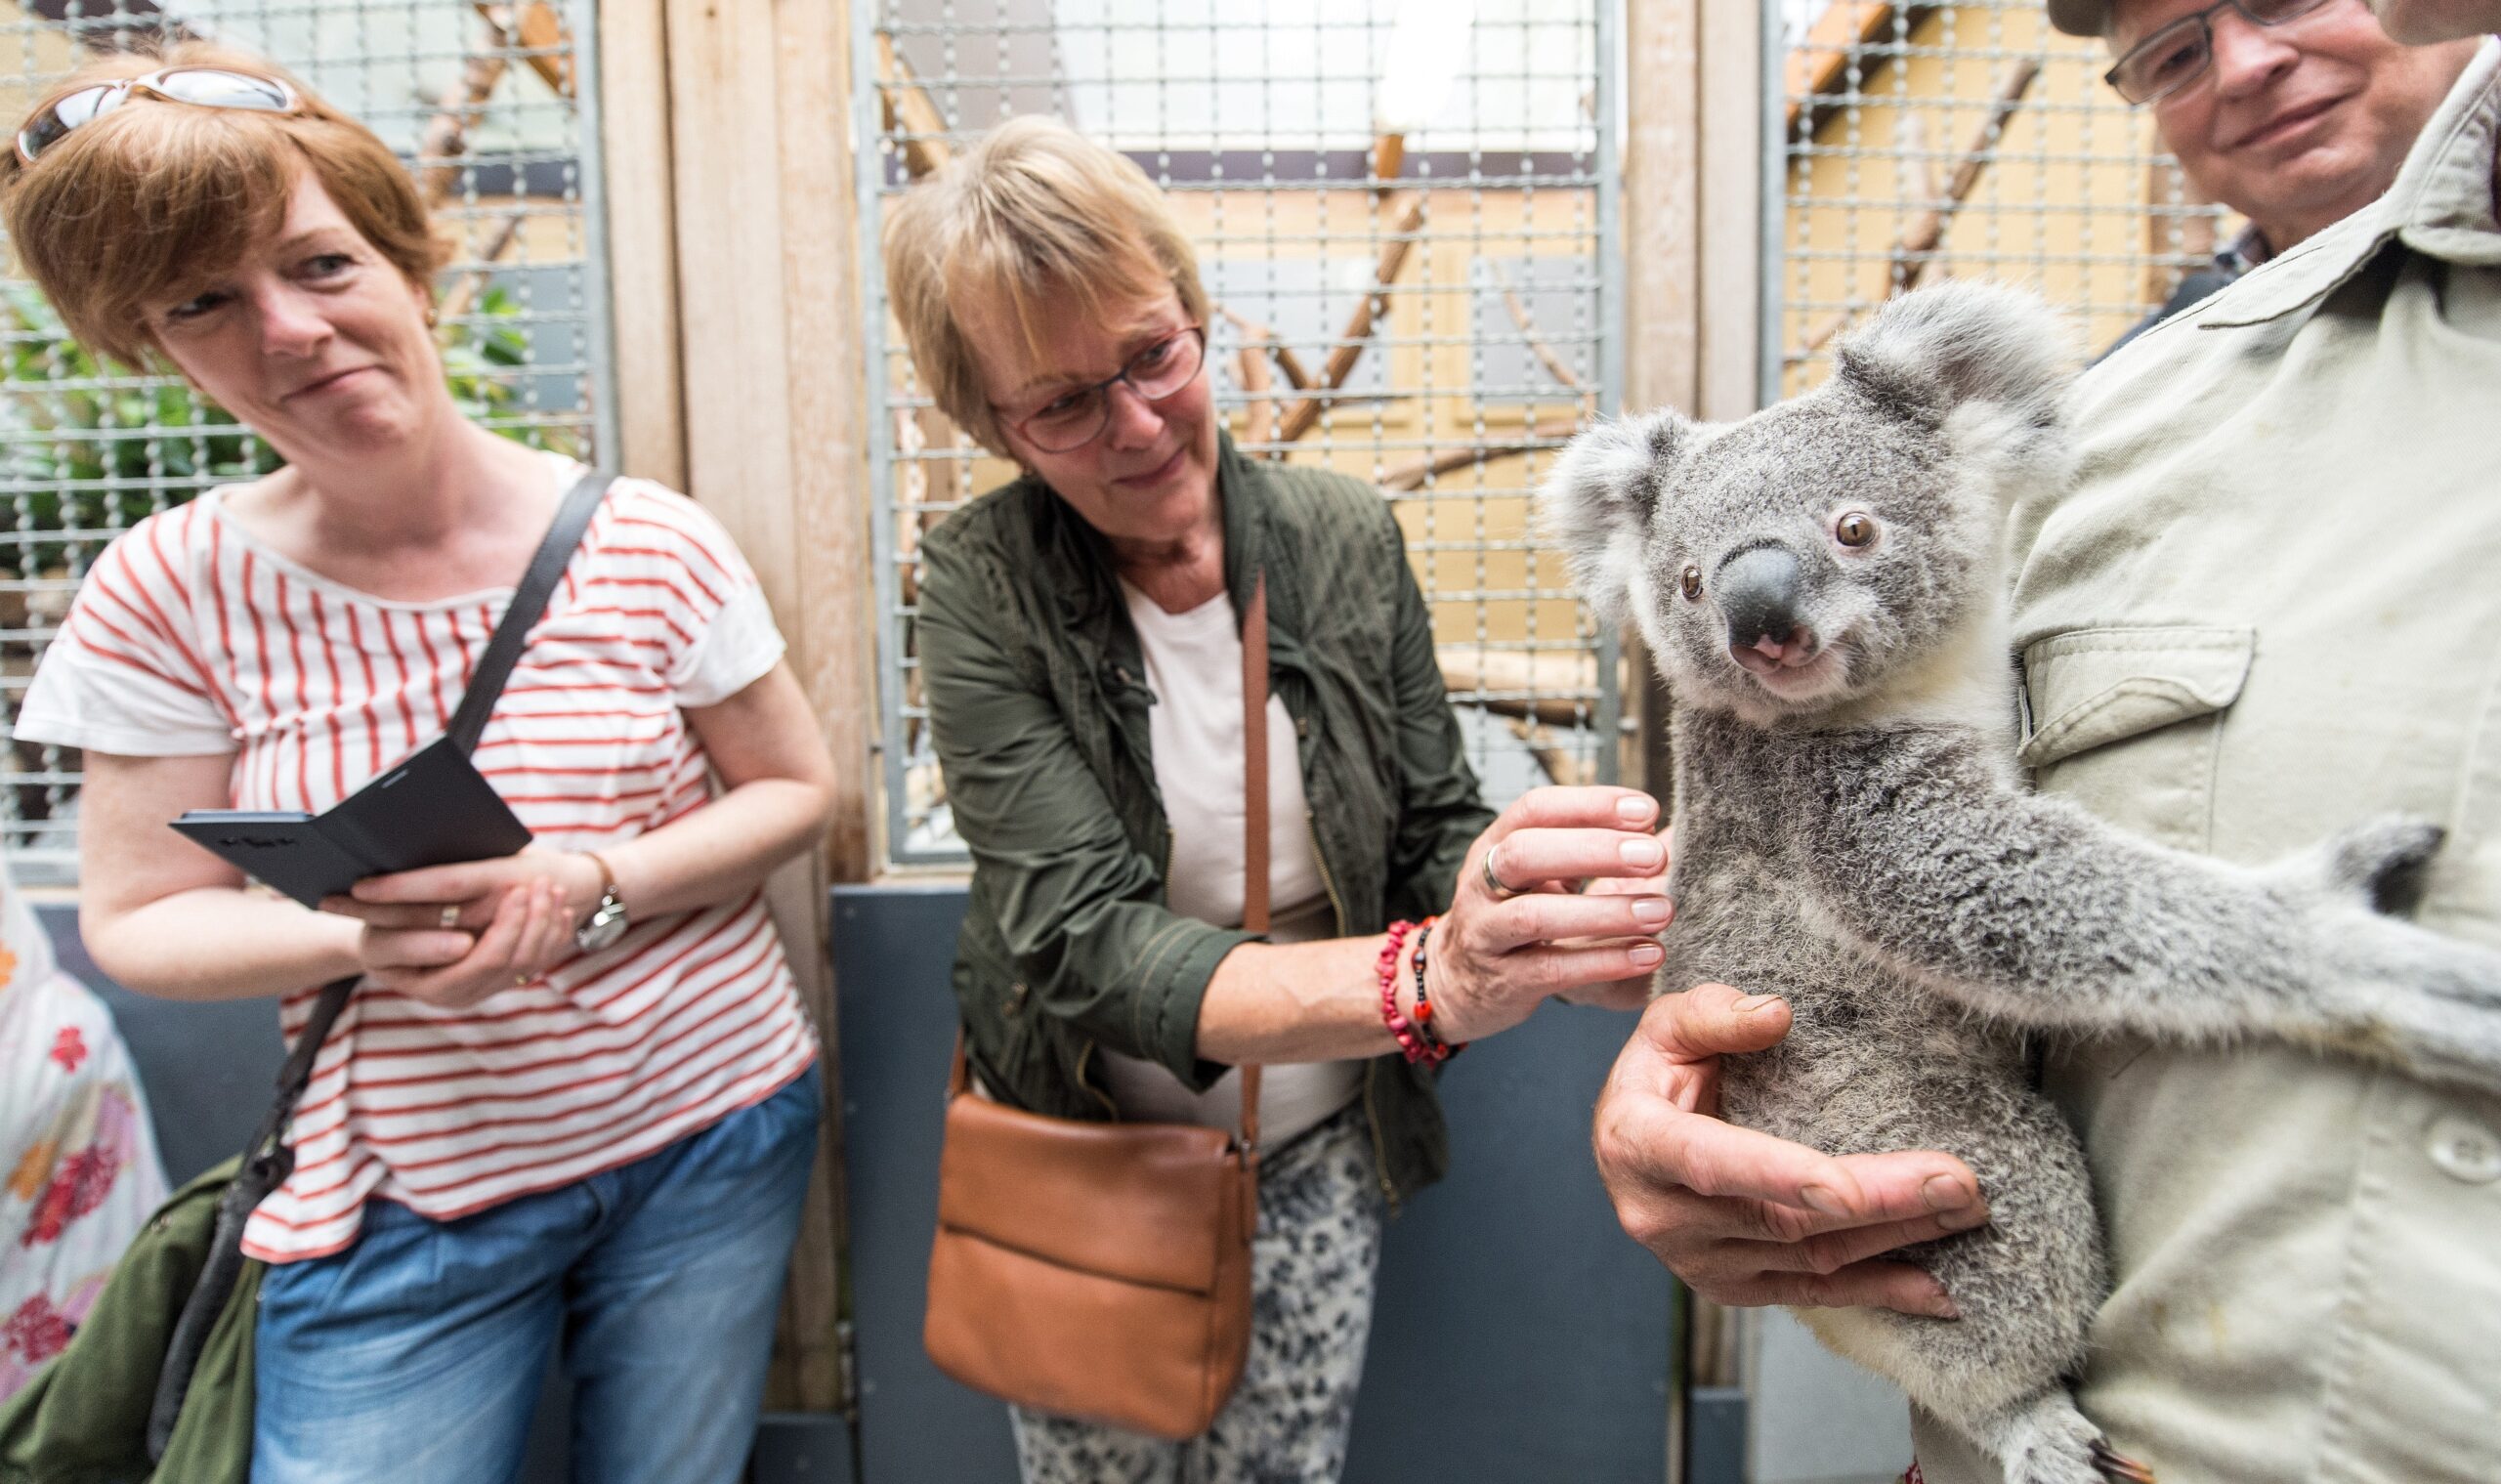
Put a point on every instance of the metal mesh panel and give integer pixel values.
(1437, 326)
(1921, 142)
(482, 100)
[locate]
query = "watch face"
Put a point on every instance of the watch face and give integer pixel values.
(605, 927)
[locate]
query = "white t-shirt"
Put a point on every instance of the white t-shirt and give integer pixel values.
(191, 637)
(1193, 668)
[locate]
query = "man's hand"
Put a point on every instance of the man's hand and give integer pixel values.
(1748, 1220)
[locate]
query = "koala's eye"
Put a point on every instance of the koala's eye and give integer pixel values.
(1694, 584)
(1856, 528)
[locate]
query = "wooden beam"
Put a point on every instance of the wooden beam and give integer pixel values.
(1729, 264)
(637, 163)
(1662, 288)
(757, 92)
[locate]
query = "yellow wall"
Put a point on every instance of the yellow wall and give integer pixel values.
(2064, 208)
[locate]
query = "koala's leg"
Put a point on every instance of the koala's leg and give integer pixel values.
(2045, 1440)
(2030, 911)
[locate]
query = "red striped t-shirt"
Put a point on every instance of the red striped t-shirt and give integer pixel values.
(191, 637)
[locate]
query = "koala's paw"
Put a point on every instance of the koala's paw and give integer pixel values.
(2381, 862)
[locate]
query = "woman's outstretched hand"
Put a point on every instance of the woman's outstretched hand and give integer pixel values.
(1518, 933)
(1745, 1218)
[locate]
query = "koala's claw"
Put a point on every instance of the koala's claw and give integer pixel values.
(2383, 860)
(2118, 1467)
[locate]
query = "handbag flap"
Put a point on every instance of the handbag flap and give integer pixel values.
(1144, 1203)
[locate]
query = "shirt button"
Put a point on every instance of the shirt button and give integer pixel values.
(2466, 1151)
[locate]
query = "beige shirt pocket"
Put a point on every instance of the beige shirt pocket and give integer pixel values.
(2125, 722)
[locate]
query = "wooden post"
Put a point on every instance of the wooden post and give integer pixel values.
(1662, 277)
(642, 241)
(1731, 254)
(766, 249)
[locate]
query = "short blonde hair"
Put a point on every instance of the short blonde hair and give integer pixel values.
(135, 206)
(1045, 222)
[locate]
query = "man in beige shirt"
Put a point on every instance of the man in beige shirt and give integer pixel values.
(2270, 606)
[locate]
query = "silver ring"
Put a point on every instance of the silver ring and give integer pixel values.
(1495, 885)
(450, 917)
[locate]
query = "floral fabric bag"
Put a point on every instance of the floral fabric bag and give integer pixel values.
(78, 1167)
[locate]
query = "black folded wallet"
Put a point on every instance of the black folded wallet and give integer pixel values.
(432, 809)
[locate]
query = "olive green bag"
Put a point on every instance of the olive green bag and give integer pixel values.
(84, 1419)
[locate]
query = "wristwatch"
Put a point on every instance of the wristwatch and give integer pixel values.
(607, 921)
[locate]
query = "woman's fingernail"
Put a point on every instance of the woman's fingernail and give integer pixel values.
(1652, 911)
(1753, 1002)
(1945, 1193)
(1646, 956)
(1632, 809)
(1642, 853)
(1820, 1199)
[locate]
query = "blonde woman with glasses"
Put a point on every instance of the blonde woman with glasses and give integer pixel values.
(572, 1106)
(1079, 636)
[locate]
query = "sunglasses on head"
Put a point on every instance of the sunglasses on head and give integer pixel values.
(200, 87)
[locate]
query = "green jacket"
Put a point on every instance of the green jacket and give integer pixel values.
(1038, 706)
(83, 1418)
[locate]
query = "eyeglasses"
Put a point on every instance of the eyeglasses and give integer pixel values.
(2180, 53)
(200, 87)
(1075, 418)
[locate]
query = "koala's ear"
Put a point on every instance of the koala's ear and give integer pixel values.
(1597, 502)
(1930, 352)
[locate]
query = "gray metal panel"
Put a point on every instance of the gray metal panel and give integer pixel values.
(892, 946)
(1519, 1336)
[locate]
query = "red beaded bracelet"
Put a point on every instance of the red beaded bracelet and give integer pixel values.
(1385, 970)
(1416, 1041)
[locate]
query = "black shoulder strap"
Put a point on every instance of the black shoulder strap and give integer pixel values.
(528, 601)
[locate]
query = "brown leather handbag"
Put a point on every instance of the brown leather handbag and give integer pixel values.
(1102, 1270)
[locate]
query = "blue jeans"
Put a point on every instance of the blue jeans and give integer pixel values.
(416, 1355)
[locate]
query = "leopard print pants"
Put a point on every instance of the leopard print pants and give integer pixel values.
(1311, 1287)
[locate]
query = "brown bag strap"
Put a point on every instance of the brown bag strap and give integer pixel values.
(1254, 805)
(1254, 831)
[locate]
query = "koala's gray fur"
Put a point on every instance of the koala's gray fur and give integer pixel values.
(1852, 834)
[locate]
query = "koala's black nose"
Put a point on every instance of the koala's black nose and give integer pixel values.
(1760, 591)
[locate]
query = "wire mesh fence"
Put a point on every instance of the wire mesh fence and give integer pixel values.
(491, 104)
(1921, 142)
(1405, 215)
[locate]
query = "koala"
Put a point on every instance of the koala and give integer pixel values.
(1821, 586)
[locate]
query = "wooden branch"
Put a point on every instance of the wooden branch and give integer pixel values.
(1538, 346)
(1912, 254)
(542, 32)
(1286, 360)
(1411, 475)
(473, 282)
(1559, 766)
(1260, 424)
(447, 134)
(1541, 687)
(1359, 325)
(1911, 258)
(1818, 64)
(1389, 157)
(909, 112)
